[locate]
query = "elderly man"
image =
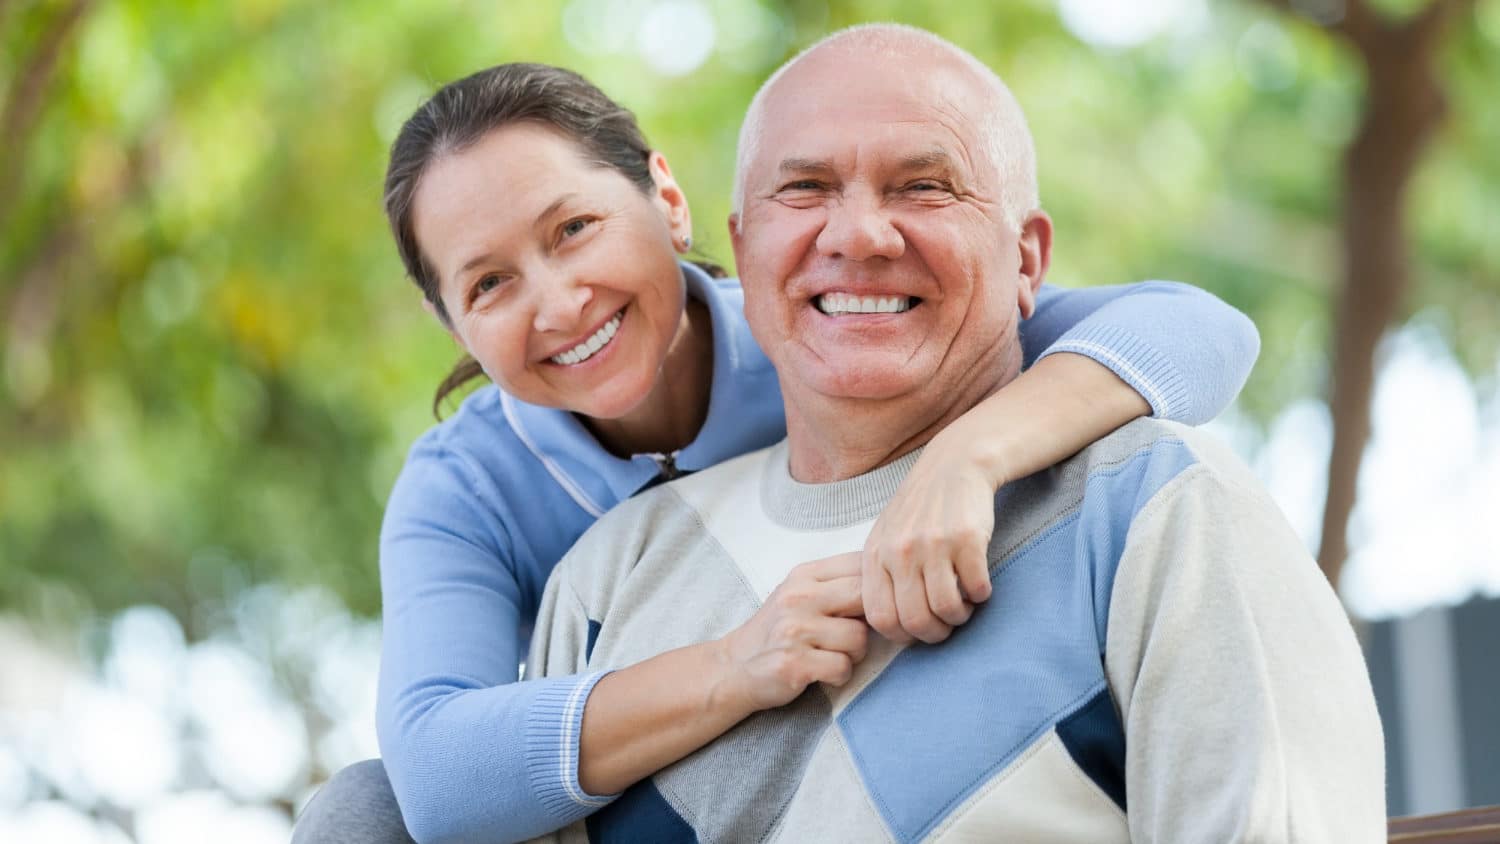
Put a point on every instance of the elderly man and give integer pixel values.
(1161, 660)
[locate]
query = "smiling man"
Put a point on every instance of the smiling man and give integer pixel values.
(1160, 661)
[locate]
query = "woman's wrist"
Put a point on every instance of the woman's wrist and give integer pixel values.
(726, 693)
(970, 443)
(644, 717)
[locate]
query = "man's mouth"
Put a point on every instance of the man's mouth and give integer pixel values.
(834, 304)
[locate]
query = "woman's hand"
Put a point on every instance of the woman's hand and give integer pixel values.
(808, 631)
(925, 563)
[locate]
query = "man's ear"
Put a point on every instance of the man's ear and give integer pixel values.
(735, 238)
(679, 216)
(1035, 244)
(432, 309)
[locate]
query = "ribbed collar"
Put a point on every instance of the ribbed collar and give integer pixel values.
(839, 504)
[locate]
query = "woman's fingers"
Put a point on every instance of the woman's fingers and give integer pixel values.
(932, 542)
(971, 563)
(845, 635)
(842, 597)
(828, 568)
(880, 602)
(944, 597)
(831, 667)
(915, 609)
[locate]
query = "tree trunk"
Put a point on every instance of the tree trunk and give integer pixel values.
(1403, 108)
(28, 93)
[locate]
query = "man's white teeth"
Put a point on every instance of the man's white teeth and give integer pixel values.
(845, 303)
(585, 350)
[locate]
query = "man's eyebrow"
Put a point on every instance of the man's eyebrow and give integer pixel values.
(486, 256)
(933, 159)
(805, 165)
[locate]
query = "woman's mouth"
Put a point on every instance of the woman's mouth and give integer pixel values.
(590, 347)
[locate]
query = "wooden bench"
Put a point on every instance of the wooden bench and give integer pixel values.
(1467, 826)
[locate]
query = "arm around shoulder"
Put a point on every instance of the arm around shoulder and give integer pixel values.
(1187, 352)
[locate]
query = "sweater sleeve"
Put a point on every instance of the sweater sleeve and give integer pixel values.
(472, 754)
(1247, 710)
(1182, 348)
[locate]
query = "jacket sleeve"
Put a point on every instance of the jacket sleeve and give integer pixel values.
(472, 754)
(1182, 348)
(1247, 709)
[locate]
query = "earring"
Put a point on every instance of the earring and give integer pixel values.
(687, 242)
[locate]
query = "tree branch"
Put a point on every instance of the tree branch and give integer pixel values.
(24, 101)
(1430, 21)
(1353, 19)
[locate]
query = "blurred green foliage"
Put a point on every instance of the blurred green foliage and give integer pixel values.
(212, 365)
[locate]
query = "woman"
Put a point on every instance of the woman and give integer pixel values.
(544, 234)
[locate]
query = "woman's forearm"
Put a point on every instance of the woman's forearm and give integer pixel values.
(1046, 414)
(641, 719)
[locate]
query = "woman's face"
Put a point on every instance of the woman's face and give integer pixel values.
(559, 275)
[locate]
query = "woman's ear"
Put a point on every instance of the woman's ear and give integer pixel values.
(674, 202)
(1035, 245)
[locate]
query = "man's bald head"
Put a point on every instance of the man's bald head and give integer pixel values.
(998, 117)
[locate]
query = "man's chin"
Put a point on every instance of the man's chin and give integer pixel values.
(867, 382)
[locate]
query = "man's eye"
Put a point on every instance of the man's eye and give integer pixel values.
(804, 184)
(926, 186)
(486, 284)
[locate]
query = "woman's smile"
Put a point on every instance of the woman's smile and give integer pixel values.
(590, 348)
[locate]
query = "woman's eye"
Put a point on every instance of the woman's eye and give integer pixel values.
(574, 227)
(486, 284)
(805, 184)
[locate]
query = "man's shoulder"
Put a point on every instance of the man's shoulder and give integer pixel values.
(1113, 480)
(1164, 450)
(1150, 470)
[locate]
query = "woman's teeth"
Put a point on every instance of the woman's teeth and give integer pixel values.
(844, 303)
(588, 348)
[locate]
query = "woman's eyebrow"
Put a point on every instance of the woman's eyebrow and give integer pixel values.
(471, 264)
(556, 204)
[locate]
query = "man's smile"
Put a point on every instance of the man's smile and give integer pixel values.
(836, 304)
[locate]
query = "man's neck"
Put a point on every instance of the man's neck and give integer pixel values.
(831, 439)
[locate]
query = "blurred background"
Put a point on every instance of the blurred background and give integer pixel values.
(211, 365)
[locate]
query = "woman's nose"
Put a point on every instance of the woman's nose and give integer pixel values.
(562, 303)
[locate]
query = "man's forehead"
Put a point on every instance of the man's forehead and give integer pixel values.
(841, 89)
(891, 132)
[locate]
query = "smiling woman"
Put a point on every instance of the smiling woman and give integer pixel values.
(558, 276)
(544, 234)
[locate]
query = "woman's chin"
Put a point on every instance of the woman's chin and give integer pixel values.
(611, 404)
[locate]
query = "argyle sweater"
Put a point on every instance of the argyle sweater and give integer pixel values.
(1161, 660)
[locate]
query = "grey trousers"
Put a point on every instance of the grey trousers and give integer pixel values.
(356, 805)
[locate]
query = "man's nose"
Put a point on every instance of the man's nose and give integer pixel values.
(561, 300)
(859, 228)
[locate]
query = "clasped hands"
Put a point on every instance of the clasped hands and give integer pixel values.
(923, 569)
